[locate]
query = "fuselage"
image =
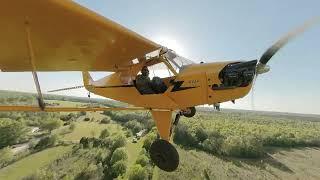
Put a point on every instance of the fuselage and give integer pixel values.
(195, 84)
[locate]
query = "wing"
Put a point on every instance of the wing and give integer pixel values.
(64, 36)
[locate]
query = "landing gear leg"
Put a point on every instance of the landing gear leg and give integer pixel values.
(164, 155)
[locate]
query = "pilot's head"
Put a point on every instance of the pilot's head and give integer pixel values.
(145, 71)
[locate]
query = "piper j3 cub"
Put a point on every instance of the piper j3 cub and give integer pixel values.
(56, 35)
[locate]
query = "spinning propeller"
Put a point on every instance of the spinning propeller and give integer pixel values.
(262, 66)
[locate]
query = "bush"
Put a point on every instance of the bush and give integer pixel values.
(137, 173)
(104, 133)
(119, 154)
(69, 117)
(118, 168)
(143, 160)
(134, 126)
(247, 147)
(82, 113)
(118, 141)
(86, 119)
(152, 136)
(105, 120)
(45, 142)
(72, 127)
(11, 132)
(6, 156)
(184, 136)
(201, 134)
(213, 143)
(51, 124)
(91, 172)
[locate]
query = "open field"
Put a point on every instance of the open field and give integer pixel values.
(301, 163)
(89, 129)
(32, 163)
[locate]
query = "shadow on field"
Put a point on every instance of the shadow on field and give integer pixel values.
(260, 163)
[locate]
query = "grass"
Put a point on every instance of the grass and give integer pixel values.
(32, 163)
(283, 163)
(88, 129)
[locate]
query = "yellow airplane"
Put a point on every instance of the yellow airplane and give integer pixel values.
(60, 35)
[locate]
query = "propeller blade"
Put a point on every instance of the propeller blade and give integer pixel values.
(285, 39)
(65, 89)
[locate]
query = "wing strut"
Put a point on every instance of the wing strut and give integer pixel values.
(34, 72)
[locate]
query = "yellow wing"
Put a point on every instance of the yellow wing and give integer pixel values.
(64, 36)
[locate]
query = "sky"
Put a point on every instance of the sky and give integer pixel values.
(218, 30)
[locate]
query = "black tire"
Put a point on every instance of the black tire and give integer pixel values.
(164, 155)
(191, 112)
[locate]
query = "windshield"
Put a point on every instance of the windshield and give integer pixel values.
(178, 62)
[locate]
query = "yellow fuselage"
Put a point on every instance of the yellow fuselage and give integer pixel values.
(191, 87)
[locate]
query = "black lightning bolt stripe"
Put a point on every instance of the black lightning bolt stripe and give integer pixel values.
(177, 86)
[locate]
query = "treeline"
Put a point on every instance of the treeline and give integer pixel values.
(22, 98)
(133, 121)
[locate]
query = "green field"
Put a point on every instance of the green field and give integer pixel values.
(302, 163)
(87, 129)
(32, 163)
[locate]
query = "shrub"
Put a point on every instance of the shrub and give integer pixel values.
(104, 133)
(72, 126)
(119, 154)
(143, 160)
(118, 168)
(105, 120)
(247, 147)
(213, 143)
(201, 134)
(183, 136)
(152, 136)
(82, 113)
(11, 132)
(118, 141)
(134, 126)
(46, 142)
(86, 119)
(51, 124)
(91, 172)
(6, 156)
(137, 173)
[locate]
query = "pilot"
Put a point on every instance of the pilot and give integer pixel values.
(143, 82)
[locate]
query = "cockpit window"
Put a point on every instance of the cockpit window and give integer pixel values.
(178, 62)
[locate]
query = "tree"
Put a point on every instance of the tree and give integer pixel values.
(143, 160)
(152, 136)
(118, 168)
(119, 154)
(46, 142)
(11, 132)
(137, 173)
(118, 141)
(105, 120)
(51, 124)
(104, 133)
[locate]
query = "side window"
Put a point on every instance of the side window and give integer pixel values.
(159, 70)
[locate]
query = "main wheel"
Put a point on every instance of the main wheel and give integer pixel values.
(164, 155)
(189, 112)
